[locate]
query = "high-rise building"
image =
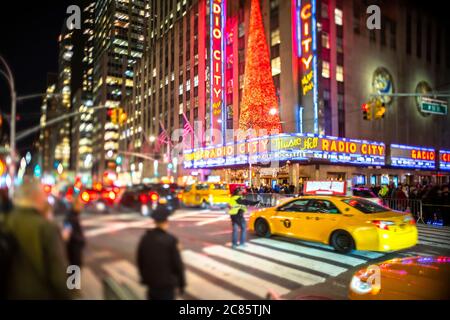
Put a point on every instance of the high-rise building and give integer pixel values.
(325, 64)
(82, 98)
(119, 34)
(63, 129)
(48, 140)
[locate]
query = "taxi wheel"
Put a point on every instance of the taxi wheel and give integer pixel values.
(262, 228)
(342, 242)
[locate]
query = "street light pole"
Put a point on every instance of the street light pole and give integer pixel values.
(12, 135)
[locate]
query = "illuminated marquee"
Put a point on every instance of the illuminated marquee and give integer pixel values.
(295, 146)
(444, 160)
(412, 157)
(217, 16)
(307, 52)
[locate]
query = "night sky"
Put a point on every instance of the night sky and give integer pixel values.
(29, 33)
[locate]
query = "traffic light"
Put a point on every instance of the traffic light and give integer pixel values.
(367, 111)
(122, 116)
(380, 110)
(112, 113)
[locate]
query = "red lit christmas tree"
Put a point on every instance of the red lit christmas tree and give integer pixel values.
(259, 106)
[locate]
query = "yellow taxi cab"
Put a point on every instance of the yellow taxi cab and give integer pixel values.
(345, 223)
(206, 195)
(411, 278)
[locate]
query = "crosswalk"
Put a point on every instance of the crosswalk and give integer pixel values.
(280, 265)
(434, 236)
(219, 272)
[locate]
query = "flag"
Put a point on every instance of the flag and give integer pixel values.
(187, 128)
(163, 137)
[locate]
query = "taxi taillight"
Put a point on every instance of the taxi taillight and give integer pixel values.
(382, 224)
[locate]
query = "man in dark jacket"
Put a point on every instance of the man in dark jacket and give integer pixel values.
(75, 236)
(159, 260)
(39, 266)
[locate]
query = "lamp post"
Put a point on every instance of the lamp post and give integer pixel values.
(12, 135)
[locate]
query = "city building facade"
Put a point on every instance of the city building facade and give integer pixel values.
(119, 33)
(326, 64)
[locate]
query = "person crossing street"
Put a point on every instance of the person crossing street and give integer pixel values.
(237, 209)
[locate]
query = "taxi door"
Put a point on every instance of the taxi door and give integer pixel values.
(320, 219)
(287, 218)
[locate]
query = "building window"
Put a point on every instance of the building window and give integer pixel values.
(338, 16)
(438, 45)
(372, 36)
(275, 37)
(339, 45)
(428, 49)
(325, 40)
(324, 10)
(340, 73)
(393, 35)
(356, 16)
(341, 115)
(419, 38)
(276, 66)
(383, 33)
(408, 33)
(325, 69)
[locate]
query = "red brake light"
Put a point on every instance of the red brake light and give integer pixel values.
(383, 225)
(154, 197)
(143, 198)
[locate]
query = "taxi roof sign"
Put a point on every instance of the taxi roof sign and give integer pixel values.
(325, 188)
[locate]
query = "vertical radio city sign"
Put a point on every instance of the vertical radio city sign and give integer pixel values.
(217, 49)
(306, 30)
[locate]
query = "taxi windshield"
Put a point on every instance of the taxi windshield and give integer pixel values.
(365, 206)
(220, 187)
(202, 187)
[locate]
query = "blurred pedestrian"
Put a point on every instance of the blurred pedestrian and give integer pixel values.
(73, 233)
(159, 260)
(5, 202)
(237, 210)
(39, 264)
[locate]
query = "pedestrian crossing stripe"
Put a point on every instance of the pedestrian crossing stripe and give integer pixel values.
(237, 278)
(433, 244)
(435, 234)
(297, 248)
(369, 255)
(266, 266)
(433, 239)
(126, 273)
(202, 289)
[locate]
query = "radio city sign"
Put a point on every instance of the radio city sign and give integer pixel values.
(217, 30)
(412, 157)
(444, 159)
(295, 146)
(306, 42)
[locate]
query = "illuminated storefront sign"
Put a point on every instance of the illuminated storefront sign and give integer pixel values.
(294, 146)
(217, 16)
(412, 157)
(444, 160)
(306, 29)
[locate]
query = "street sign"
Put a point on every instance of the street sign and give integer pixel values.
(433, 106)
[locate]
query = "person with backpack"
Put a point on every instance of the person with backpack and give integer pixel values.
(36, 266)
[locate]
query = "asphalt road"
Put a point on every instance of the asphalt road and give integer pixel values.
(289, 268)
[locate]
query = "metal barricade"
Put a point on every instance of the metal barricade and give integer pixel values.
(267, 200)
(414, 206)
